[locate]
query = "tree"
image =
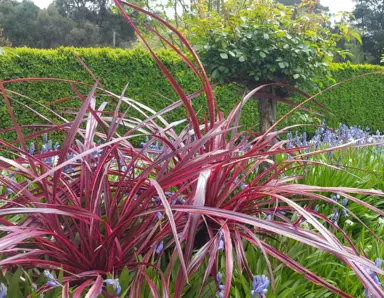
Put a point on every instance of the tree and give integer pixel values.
(19, 22)
(369, 18)
(87, 24)
(96, 19)
(4, 42)
(54, 29)
(264, 43)
(306, 5)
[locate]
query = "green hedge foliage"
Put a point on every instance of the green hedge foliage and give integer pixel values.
(359, 102)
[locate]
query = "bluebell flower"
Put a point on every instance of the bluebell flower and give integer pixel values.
(373, 275)
(115, 284)
(219, 277)
(45, 138)
(51, 279)
(345, 203)
(160, 247)
(157, 200)
(48, 275)
(44, 148)
(49, 145)
(179, 201)
(221, 287)
(3, 290)
(221, 242)
(9, 191)
(335, 198)
(159, 215)
(57, 146)
(339, 160)
(269, 217)
(31, 148)
(53, 283)
(243, 186)
(335, 216)
(260, 285)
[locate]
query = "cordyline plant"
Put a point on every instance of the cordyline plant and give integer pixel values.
(97, 205)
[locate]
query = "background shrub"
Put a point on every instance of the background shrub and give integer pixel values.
(354, 103)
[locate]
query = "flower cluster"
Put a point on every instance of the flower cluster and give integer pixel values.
(3, 290)
(115, 284)
(260, 285)
(378, 263)
(336, 211)
(221, 287)
(153, 147)
(327, 138)
(52, 282)
(46, 147)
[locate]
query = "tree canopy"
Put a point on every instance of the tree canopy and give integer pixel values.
(265, 42)
(369, 19)
(85, 23)
(4, 42)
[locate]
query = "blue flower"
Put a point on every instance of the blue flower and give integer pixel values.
(179, 201)
(45, 138)
(31, 148)
(49, 145)
(159, 215)
(260, 285)
(51, 279)
(160, 247)
(335, 216)
(221, 287)
(373, 275)
(221, 242)
(115, 284)
(53, 283)
(48, 275)
(219, 277)
(3, 290)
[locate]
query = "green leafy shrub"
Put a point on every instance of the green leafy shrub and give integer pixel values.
(358, 102)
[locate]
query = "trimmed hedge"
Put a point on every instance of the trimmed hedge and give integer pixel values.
(358, 102)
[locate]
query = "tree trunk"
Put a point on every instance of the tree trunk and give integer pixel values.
(267, 113)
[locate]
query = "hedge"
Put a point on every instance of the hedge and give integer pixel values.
(358, 102)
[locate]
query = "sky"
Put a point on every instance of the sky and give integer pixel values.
(334, 5)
